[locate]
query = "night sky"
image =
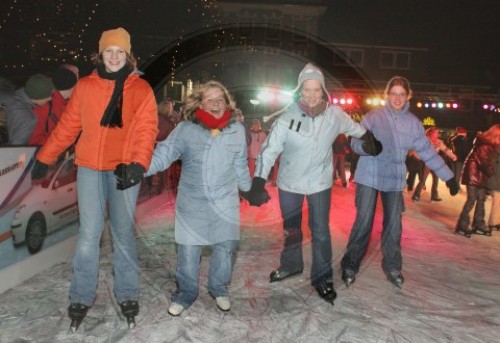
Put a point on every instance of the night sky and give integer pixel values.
(462, 35)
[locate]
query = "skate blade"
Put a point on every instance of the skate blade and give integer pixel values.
(74, 326)
(348, 282)
(131, 323)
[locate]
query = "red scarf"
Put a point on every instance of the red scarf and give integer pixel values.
(210, 121)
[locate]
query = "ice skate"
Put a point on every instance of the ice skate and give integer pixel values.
(77, 312)
(175, 309)
(465, 232)
(396, 278)
(326, 291)
(482, 230)
(348, 276)
(280, 275)
(223, 303)
(497, 227)
(130, 309)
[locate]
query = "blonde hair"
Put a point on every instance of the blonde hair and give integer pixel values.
(194, 100)
(492, 135)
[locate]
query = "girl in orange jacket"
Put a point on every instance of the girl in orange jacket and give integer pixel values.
(112, 114)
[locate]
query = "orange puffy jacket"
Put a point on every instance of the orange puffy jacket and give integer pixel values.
(98, 147)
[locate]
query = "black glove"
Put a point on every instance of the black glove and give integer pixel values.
(371, 145)
(257, 195)
(39, 170)
(128, 175)
(453, 186)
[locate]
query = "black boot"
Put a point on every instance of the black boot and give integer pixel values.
(76, 312)
(395, 277)
(326, 291)
(461, 231)
(481, 229)
(130, 309)
(348, 276)
(280, 275)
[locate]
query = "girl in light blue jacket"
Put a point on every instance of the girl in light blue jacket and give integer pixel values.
(213, 149)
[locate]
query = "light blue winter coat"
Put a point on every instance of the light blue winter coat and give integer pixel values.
(213, 168)
(398, 132)
(305, 145)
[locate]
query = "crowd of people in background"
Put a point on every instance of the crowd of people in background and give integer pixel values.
(207, 154)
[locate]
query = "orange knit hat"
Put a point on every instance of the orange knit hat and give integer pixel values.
(119, 37)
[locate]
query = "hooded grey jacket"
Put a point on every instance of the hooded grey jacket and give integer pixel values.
(305, 145)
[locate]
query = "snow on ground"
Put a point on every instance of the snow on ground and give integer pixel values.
(451, 292)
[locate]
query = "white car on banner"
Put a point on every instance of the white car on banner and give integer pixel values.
(48, 206)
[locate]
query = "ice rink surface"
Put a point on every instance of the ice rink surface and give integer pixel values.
(451, 291)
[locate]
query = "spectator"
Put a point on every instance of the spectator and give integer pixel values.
(49, 114)
(5, 87)
(432, 134)
(20, 104)
(399, 131)
(212, 146)
(115, 112)
(478, 168)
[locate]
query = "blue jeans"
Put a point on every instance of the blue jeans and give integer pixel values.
(319, 212)
(96, 189)
(188, 270)
(393, 205)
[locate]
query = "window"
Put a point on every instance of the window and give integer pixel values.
(394, 60)
(349, 56)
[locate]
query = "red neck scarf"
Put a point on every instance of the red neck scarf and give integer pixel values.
(210, 121)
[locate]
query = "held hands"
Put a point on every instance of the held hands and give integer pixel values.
(257, 195)
(39, 170)
(453, 186)
(128, 175)
(371, 145)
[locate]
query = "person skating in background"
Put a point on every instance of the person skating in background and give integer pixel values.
(461, 148)
(340, 149)
(478, 168)
(303, 134)
(415, 167)
(399, 131)
(494, 187)
(113, 111)
(432, 134)
(257, 139)
(212, 146)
